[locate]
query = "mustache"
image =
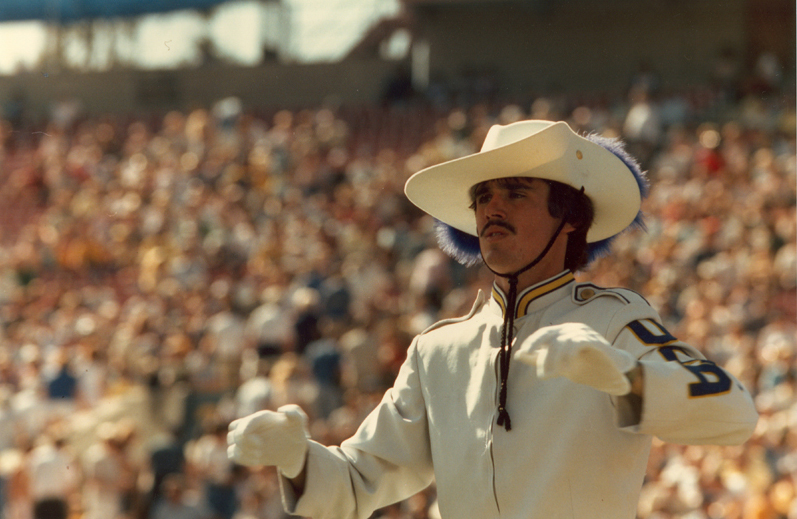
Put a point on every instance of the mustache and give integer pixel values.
(496, 223)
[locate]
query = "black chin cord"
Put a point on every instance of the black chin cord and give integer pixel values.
(508, 330)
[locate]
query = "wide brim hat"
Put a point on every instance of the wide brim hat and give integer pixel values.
(609, 176)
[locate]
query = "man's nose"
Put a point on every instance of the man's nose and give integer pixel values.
(495, 208)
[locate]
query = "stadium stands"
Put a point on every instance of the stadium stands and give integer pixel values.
(188, 266)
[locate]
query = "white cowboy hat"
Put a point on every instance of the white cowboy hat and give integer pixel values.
(542, 149)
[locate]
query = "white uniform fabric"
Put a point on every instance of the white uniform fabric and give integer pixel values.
(573, 451)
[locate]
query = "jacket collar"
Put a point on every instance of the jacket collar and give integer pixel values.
(527, 298)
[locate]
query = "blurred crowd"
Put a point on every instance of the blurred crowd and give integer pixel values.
(163, 275)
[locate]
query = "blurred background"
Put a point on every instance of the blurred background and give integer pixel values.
(202, 215)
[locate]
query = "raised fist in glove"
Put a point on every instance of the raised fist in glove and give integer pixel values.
(579, 353)
(272, 438)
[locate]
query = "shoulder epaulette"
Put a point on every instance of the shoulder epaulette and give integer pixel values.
(585, 292)
(632, 306)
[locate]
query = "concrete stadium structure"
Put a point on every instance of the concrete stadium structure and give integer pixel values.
(504, 48)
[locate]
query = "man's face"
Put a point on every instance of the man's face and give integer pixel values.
(514, 225)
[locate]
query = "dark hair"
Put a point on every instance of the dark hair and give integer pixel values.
(575, 207)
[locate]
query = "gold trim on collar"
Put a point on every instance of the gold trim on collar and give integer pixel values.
(532, 293)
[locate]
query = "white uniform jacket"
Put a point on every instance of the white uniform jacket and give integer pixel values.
(572, 452)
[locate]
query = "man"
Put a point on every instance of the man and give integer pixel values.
(542, 401)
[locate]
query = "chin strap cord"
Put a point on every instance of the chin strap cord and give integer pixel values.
(508, 330)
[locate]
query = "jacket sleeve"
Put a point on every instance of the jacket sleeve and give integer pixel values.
(387, 460)
(687, 399)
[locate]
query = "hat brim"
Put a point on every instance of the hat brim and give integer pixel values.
(555, 152)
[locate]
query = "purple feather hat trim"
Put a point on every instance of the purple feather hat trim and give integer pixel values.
(464, 247)
(461, 246)
(601, 248)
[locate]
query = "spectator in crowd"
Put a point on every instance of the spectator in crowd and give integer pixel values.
(175, 502)
(54, 474)
(167, 458)
(254, 393)
(108, 475)
(208, 463)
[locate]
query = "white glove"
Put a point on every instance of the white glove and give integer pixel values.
(272, 438)
(579, 353)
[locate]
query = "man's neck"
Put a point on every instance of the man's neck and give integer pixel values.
(527, 279)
